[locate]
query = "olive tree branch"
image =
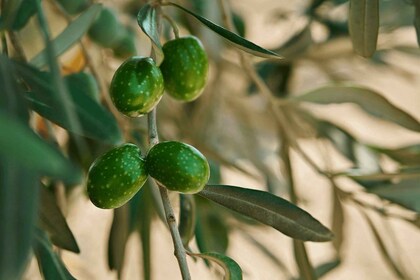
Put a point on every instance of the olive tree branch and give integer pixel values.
(180, 252)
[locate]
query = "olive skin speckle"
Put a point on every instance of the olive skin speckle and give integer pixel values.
(178, 166)
(184, 68)
(111, 184)
(137, 86)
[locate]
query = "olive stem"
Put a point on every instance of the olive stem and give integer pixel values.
(175, 28)
(179, 252)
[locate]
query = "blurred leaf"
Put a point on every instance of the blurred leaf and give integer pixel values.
(211, 231)
(232, 269)
(9, 12)
(70, 35)
(369, 100)
(409, 155)
(50, 264)
(270, 210)
(327, 267)
(337, 220)
(118, 238)
(296, 45)
(25, 11)
(84, 82)
(148, 21)
(306, 270)
(22, 145)
(392, 265)
(405, 193)
(187, 218)
(95, 121)
(18, 215)
(235, 39)
(416, 21)
(364, 26)
(53, 222)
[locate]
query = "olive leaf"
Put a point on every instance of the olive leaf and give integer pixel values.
(53, 222)
(306, 270)
(232, 269)
(370, 101)
(148, 21)
(50, 264)
(233, 38)
(416, 20)
(270, 210)
(364, 26)
(187, 218)
(408, 155)
(9, 13)
(118, 238)
(69, 36)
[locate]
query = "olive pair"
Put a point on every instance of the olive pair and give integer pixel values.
(115, 177)
(138, 84)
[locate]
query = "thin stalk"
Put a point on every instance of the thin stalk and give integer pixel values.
(180, 252)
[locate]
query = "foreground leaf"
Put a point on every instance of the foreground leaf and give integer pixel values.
(370, 101)
(50, 264)
(53, 222)
(95, 121)
(21, 144)
(235, 39)
(270, 210)
(70, 35)
(148, 21)
(364, 26)
(232, 269)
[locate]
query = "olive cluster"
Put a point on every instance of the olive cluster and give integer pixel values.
(136, 88)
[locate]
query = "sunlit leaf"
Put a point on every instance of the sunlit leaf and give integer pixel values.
(53, 222)
(235, 39)
(50, 264)
(21, 144)
(364, 26)
(118, 238)
(232, 269)
(370, 101)
(70, 35)
(95, 121)
(148, 22)
(270, 210)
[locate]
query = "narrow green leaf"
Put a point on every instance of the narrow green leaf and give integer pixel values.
(405, 193)
(364, 26)
(9, 12)
(70, 35)
(21, 144)
(370, 101)
(187, 218)
(95, 121)
(235, 39)
(416, 21)
(337, 220)
(118, 238)
(148, 21)
(232, 269)
(145, 214)
(409, 155)
(306, 270)
(50, 264)
(270, 210)
(393, 266)
(18, 215)
(53, 222)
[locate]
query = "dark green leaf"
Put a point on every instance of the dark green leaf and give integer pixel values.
(9, 12)
(364, 26)
(50, 264)
(118, 238)
(409, 155)
(53, 222)
(405, 193)
(306, 270)
(337, 220)
(325, 268)
(18, 215)
(211, 231)
(187, 218)
(369, 100)
(70, 35)
(416, 21)
(22, 145)
(26, 10)
(95, 121)
(235, 39)
(270, 210)
(232, 269)
(148, 22)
